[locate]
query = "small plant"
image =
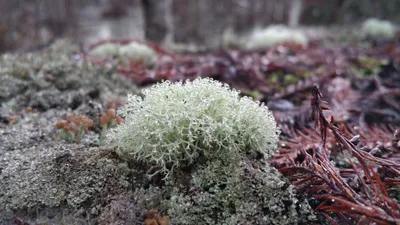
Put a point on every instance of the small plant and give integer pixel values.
(179, 124)
(368, 66)
(114, 104)
(378, 29)
(153, 218)
(109, 120)
(74, 128)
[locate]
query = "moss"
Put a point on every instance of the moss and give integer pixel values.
(53, 78)
(254, 94)
(40, 175)
(11, 87)
(43, 179)
(53, 177)
(131, 208)
(368, 66)
(249, 192)
(290, 79)
(274, 77)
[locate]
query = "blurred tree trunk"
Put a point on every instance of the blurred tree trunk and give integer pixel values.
(158, 20)
(295, 13)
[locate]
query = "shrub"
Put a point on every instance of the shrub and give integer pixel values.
(377, 29)
(178, 124)
(277, 34)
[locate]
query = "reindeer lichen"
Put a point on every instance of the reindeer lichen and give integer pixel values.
(178, 124)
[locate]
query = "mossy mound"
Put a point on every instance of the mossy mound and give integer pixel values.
(43, 178)
(40, 174)
(57, 78)
(250, 192)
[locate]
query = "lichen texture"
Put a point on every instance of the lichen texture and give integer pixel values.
(178, 124)
(273, 35)
(378, 29)
(250, 192)
(211, 147)
(135, 52)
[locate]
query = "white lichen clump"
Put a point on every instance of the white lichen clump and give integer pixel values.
(106, 50)
(130, 52)
(177, 124)
(135, 51)
(273, 35)
(230, 38)
(378, 29)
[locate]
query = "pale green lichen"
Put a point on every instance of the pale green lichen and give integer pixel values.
(214, 145)
(126, 53)
(136, 52)
(44, 80)
(273, 35)
(177, 124)
(378, 29)
(106, 50)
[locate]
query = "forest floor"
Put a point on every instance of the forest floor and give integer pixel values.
(338, 107)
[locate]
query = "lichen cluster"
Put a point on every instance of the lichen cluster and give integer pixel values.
(273, 35)
(378, 29)
(211, 146)
(48, 79)
(178, 124)
(129, 52)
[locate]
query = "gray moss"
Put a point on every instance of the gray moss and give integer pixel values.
(43, 178)
(10, 87)
(56, 79)
(248, 193)
(40, 174)
(132, 207)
